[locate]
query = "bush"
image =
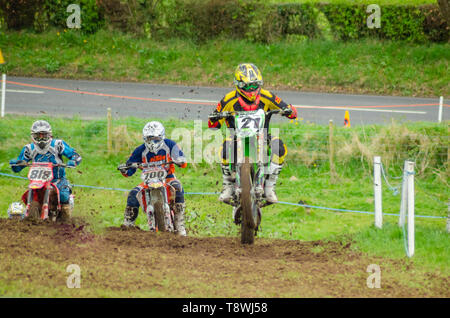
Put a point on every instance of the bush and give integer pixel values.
(402, 23)
(202, 20)
(19, 14)
(347, 21)
(41, 14)
(254, 20)
(56, 14)
(299, 19)
(212, 18)
(129, 16)
(435, 25)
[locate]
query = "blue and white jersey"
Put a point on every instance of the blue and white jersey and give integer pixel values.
(169, 151)
(54, 153)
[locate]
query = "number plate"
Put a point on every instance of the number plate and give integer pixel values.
(154, 175)
(251, 123)
(42, 174)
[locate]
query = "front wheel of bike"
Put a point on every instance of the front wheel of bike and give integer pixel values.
(35, 210)
(159, 216)
(247, 204)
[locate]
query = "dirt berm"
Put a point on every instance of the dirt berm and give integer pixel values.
(34, 257)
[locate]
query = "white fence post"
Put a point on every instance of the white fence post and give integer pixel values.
(3, 94)
(377, 191)
(441, 103)
(410, 171)
(404, 199)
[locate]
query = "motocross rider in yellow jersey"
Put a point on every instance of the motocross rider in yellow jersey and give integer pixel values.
(249, 96)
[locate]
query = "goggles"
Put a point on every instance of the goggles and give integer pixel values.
(249, 87)
(152, 139)
(41, 136)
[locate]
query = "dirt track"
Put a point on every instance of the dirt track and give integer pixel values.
(134, 263)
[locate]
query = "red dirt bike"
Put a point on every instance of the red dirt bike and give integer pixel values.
(42, 197)
(157, 198)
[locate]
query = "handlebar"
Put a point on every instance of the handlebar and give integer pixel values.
(28, 164)
(136, 165)
(217, 116)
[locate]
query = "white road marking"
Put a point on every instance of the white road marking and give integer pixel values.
(317, 107)
(362, 109)
(23, 91)
(194, 100)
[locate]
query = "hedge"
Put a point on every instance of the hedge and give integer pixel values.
(254, 20)
(39, 15)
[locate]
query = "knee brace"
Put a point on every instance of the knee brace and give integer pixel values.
(64, 190)
(132, 200)
(179, 191)
(278, 149)
(226, 151)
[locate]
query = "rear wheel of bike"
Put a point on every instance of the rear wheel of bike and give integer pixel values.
(35, 210)
(247, 204)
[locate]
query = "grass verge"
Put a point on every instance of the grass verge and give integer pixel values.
(389, 68)
(302, 179)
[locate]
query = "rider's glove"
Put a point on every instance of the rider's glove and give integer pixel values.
(181, 163)
(71, 163)
(290, 112)
(123, 168)
(17, 162)
(17, 165)
(213, 118)
(213, 121)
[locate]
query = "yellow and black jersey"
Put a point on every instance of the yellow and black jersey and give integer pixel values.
(235, 102)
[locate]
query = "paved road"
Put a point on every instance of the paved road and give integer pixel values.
(90, 99)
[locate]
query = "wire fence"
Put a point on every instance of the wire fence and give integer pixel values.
(216, 193)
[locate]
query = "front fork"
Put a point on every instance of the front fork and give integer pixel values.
(258, 182)
(29, 199)
(257, 190)
(32, 194)
(149, 201)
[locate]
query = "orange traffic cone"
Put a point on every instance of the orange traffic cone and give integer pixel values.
(347, 119)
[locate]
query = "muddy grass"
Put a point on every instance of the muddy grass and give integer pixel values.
(133, 263)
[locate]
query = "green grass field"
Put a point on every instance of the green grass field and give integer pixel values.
(305, 177)
(380, 2)
(389, 68)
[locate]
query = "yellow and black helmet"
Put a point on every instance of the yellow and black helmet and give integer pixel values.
(248, 81)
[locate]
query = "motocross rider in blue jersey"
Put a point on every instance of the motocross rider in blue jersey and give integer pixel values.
(156, 148)
(45, 148)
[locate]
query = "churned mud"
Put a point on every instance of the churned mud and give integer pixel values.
(34, 257)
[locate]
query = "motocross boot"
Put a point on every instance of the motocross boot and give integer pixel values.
(66, 212)
(227, 185)
(270, 181)
(179, 219)
(130, 215)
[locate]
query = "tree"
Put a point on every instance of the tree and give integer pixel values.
(445, 9)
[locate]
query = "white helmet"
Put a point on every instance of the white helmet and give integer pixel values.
(16, 209)
(153, 134)
(41, 134)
